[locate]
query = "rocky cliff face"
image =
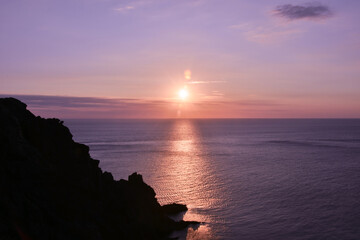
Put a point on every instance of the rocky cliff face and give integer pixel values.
(50, 187)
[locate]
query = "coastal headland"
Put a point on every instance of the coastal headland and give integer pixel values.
(51, 188)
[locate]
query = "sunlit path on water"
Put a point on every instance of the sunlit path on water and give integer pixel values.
(185, 176)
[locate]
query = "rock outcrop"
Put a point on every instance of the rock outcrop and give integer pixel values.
(174, 208)
(50, 187)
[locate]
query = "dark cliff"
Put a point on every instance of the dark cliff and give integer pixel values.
(50, 187)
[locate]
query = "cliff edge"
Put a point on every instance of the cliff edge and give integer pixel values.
(50, 187)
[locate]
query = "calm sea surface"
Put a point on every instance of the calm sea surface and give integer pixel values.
(244, 179)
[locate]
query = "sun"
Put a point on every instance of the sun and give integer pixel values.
(183, 94)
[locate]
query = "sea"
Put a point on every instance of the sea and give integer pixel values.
(241, 178)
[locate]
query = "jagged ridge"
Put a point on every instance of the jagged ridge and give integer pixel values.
(51, 188)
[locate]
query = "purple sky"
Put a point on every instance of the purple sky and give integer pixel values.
(114, 59)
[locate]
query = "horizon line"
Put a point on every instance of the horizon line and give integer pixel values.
(220, 118)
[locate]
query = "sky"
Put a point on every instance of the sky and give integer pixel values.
(129, 59)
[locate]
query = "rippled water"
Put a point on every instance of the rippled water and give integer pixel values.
(244, 179)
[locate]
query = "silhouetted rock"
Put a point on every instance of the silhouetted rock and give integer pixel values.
(50, 187)
(174, 208)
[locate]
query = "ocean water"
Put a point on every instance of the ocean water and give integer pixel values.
(243, 179)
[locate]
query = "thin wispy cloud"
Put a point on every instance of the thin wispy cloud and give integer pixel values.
(132, 5)
(124, 9)
(92, 107)
(212, 96)
(210, 105)
(240, 26)
(267, 33)
(205, 82)
(310, 11)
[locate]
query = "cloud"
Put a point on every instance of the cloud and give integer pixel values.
(213, 105)
(274, 32)
(124, 9)
(91, 107)
(241, 26)
(132, 5)
(205, 82)
(267, 33)
(311, 11)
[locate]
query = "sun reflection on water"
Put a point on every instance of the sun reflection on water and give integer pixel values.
(188, 178)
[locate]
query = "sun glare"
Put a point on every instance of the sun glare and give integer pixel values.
(187, 74)
(183, 94)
